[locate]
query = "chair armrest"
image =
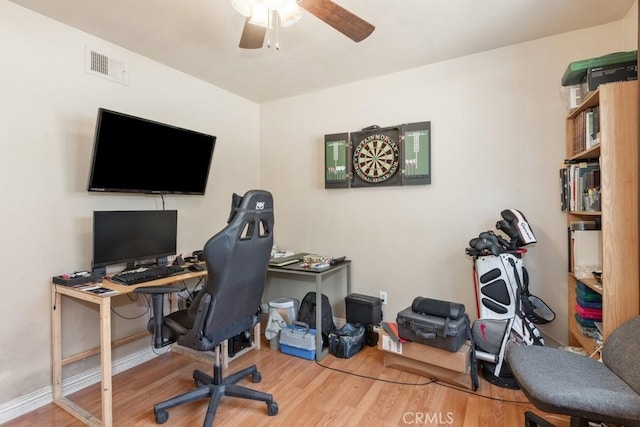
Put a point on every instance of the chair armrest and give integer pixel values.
(157, 305)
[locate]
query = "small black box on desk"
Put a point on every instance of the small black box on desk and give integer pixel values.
(77, 279)
(363, 309)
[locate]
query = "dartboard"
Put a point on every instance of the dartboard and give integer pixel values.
(375, 158)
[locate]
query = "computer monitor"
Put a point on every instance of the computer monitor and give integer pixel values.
(133, 236)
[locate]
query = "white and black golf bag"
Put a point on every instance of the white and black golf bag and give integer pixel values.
(507, 312)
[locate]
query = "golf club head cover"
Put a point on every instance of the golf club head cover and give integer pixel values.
(517, 220)
(511, 232)
(484, 245)
(494, 238)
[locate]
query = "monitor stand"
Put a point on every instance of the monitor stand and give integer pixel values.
(101, 271)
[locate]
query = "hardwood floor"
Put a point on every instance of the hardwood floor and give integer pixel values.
(358, 391)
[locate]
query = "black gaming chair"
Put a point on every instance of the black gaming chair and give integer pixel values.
(227, 305)
(561, 382)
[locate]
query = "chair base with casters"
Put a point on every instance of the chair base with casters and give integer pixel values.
(561, 382)
(214, 388)
(208, 387)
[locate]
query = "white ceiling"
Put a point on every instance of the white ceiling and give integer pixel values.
(200, 37)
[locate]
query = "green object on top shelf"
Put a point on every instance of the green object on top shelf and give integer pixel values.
(577, 70)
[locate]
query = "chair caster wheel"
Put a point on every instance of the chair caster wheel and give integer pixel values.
(198, 383)
(256, 377)
(272, 409)
(163, 416)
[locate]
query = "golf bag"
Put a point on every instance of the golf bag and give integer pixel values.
(507, 312)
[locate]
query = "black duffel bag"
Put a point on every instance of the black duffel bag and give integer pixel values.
(346, 341)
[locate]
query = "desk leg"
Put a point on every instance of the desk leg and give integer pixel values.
(105, 361)
(319, 354)
(56, 343)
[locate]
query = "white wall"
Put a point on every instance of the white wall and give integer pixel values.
(498, 142)
(630, 27)
(48, 106)
(498, 127)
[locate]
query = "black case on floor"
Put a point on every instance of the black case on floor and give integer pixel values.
(441, 332)
(363, 309)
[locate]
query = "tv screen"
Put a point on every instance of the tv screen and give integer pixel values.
(136, 155)
(131, 236)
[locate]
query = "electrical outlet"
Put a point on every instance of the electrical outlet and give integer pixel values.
(383, 297)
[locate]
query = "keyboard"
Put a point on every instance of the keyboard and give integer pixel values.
(146, 274)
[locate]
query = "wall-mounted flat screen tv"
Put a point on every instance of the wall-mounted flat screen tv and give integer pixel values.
(136, 155)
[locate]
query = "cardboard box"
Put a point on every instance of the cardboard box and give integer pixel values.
(454, 361)
(461, 379)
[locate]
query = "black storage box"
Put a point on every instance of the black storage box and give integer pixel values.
(363, 309)
(620, 72)
(442, 332)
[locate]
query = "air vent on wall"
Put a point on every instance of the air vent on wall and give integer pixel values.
(101, 65)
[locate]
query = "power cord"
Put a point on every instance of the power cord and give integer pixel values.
(473, 393)
(431, 381)
(372, 378)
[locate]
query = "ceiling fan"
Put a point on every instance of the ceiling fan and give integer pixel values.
(260, 14)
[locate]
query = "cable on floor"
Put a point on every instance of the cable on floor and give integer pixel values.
(431, 381)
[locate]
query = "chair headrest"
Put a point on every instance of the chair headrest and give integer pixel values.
(256, 201)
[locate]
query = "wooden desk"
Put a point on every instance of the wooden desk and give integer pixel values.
(104, 304)
(318, 275)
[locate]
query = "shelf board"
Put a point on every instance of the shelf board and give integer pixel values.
(587, 343)
(591, 100)
(585, 213)
(591, 153)
(591, 282)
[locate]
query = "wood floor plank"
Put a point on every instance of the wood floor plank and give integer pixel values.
(359, 391)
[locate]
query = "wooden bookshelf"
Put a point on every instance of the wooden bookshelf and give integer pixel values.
(618, 153)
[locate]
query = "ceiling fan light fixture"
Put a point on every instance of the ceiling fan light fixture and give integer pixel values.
(290, 13)
(243, 7)
(260, 15)
(275, 4)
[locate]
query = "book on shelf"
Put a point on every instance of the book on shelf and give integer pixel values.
(585, 225)
(586, 129)
(576, 181)
(564, 191)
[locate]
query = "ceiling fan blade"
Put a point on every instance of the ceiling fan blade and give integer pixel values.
(339, 18)
(252, 36)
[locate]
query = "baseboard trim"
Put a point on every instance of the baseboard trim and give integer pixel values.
(44, 396)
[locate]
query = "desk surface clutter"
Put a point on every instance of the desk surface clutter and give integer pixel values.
(306, 262)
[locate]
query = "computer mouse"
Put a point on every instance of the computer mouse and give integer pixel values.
(196, 267)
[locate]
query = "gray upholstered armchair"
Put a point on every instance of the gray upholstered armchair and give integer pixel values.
(587, 390)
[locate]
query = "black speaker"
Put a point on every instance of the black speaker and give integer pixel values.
(199, 255)
(239, 342)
